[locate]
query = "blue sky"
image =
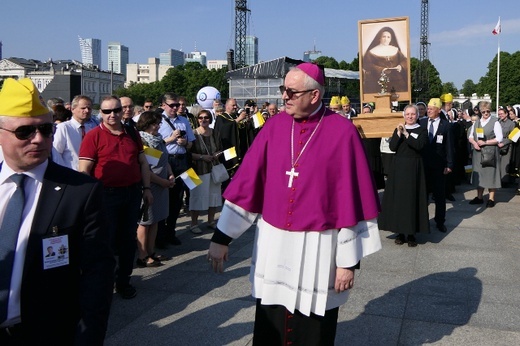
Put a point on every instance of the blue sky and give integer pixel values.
(459, 32)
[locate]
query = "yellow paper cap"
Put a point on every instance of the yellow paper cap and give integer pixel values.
(447, 98)
(334, 101)
(21, 99)
(345, 100)
(435, 103)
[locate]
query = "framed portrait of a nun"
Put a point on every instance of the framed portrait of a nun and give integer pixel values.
(384, 64)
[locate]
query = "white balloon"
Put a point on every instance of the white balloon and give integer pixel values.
(206, 96)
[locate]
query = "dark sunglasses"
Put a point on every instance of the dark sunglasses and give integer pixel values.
(147, 106)
(173, 105)
(290, 93)
(115, 110)
(29, 131)
(205, 118)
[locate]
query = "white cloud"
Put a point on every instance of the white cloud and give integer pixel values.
(473, 34)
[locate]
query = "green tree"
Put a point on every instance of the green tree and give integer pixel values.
(433, 85)
(449, 87)
(327, 61)
(509, 79)
(468, 87)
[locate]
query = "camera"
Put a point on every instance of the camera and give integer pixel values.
(247, 110)
(183, 133)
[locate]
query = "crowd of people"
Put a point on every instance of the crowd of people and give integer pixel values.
(128, 200)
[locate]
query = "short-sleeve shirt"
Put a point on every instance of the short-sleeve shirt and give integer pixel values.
(179, 123)
(115, 157)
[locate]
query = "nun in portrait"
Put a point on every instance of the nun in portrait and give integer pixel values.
(384, 55)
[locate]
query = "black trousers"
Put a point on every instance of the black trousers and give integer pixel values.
(436, 184)
(275, 325)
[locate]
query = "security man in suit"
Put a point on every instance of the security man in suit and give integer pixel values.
(438, 158)
(56, 300)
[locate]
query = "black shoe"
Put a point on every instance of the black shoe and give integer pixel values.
(490, 203)
(126, 292)
(411, 241)
(400, 239)
(160, 258)
(174, 240)
(476, 200)
(450, 198)
(442, 228)
(143, 263)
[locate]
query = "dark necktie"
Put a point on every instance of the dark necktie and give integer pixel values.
(82, 128)
(430, 131)
(9, 235)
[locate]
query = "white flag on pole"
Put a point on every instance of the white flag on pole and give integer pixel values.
(498, 28)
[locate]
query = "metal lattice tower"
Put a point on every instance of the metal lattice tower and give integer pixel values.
(422, 71)
(240, 32)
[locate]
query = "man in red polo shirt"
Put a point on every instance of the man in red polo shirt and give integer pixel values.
(115, 156)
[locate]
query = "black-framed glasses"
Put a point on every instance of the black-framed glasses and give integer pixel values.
(290, 92)
(115, 110)
(29, 131)
(173, 105)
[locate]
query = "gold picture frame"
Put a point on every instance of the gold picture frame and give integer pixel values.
(384, 51)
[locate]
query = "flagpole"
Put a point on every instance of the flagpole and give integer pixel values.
(498, 71)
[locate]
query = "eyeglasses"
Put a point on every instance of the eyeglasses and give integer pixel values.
(204, 118)
(485, 111)
(25, 132)
(291, 93)
(115, 110)
(173, 105)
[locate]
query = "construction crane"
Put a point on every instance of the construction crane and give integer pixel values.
(240, 32)
(421, 75)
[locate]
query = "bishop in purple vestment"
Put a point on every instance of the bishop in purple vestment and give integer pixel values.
(307, 182)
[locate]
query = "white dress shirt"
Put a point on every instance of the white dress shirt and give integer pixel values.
(67, 141)
(32, 189)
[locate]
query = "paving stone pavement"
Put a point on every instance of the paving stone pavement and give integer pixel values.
(457, 288)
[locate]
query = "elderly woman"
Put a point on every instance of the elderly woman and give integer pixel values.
(405, 209)
(161, 180)
(484, 135)
(384, 55)
(205, 151)
(505, 146)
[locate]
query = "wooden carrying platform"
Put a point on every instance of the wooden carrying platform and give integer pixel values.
(382, 122)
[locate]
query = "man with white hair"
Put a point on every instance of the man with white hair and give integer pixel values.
(303, 168)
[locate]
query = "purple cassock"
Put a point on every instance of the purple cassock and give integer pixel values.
(331, 185)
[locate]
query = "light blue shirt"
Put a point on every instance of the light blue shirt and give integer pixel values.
(179, 123)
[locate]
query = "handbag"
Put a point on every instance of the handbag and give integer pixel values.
(504, 150)
(488, 156)
(219, 172)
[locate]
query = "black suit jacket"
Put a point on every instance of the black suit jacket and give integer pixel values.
(438, 155)
(69, 304)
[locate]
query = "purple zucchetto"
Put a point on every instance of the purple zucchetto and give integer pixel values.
(313, 71)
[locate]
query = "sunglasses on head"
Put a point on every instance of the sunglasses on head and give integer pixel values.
(29, 131)
(173, 105)
(290, 93)
(115, 110)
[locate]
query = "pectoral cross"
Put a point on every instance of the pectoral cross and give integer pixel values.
(291, 175)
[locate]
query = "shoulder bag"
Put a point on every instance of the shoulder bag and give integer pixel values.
(219, 172)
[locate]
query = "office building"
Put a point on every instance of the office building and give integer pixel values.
(311, 55)
(146, 73)
(251, 50)
(90, 51)
(172, 57)
(117, 57)
(199, 57)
